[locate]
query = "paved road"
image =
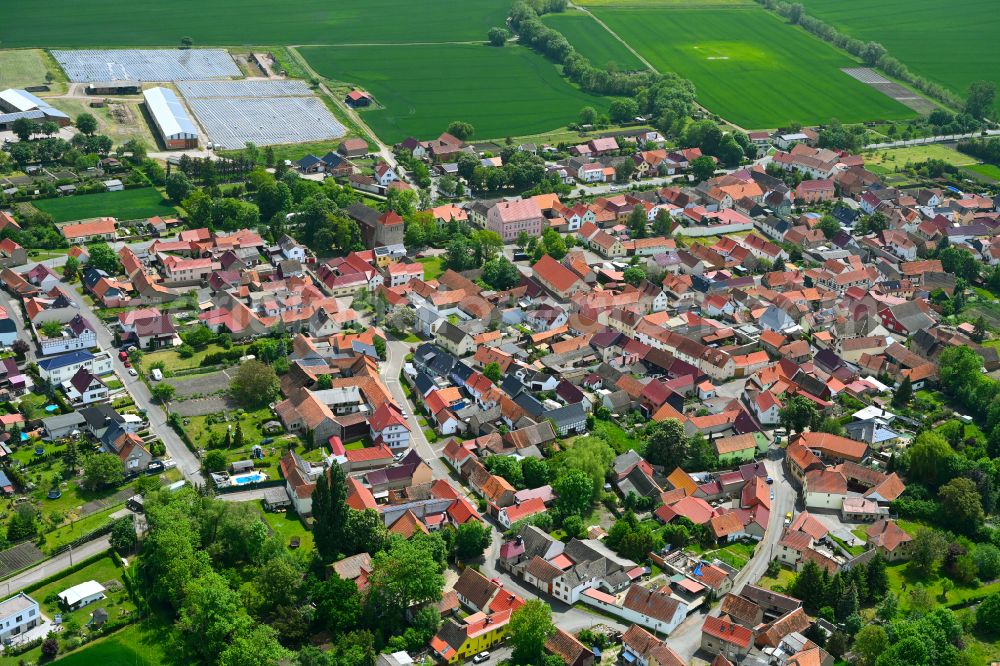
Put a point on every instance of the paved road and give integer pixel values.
(686, 639)
(396, 352)
(54, 565)
(187, 462)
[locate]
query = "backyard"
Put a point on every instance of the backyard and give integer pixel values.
(140, 203)
(103, 571)
(286, 525)
(420, 89)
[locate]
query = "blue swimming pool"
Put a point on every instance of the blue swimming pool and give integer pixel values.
(249, 478)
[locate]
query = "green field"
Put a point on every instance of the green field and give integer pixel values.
(22, 68)
(898, 157)
(954, 44)
(503, 92)
(591, 39)
(142, 644)
(751, 67)
(988, 170)
(125, 205)
(104, 23)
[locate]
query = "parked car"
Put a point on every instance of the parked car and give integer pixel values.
(123, 355)
(132, 372)
(481, 657)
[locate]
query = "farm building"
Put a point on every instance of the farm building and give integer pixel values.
(15, 104)
(357, 98)
(114, 88)
(175, 126)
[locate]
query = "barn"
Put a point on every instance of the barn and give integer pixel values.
(16, 103)
(114, 88)
(175, 126)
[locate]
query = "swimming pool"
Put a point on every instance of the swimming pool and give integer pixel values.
(243, 479)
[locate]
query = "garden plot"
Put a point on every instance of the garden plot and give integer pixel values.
(200, 385)
(146, 64)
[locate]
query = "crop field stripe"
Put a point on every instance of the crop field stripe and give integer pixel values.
(144, 23)
(509, 91)
(592, 40)
(751, 67)
(953, 45)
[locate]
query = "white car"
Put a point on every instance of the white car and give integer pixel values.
(481, 657)
(132, 372)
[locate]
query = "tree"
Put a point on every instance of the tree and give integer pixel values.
(71, 269)
(666, 443)
(86, 123)
(555, 245)
(501, 274)
(797, 414)
(471, 539)
(877, 577)
(979, 100)
(214, 461)
(338, 604)
(928, 548)
(574, 492)
(634, 275)
(795, 12)
(962, 504)
(988, 614)
(808, 586)
(103, 258)
(492, 372)
(637, 222)
(187, 42)
(987, 559)
(50, 647)
(410, 572)
(904, 392)
(536, 472)
(23, 524)
(211, 615)
(870, 642)
(623, 110)
(461, 130)
(662, 223)
(330, 512)
(20, 347)
(365, 532)
(254, 384)
(498, 36)
(929, 456)
(507, 467)
(979, 329)
(702, 168)
(530, 627)
(123, 537)
(23, 128)
(163, 392)
(829, 226)
(178, 186)
(588, 116)
(103, 470)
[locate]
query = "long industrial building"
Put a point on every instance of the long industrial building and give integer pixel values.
(175, 126)
(16, 103)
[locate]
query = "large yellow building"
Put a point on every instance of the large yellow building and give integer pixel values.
(456, 641)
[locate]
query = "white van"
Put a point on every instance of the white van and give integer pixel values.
(157, 375)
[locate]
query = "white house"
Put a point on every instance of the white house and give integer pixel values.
(80, 595)
(59, 369)
(85, 388)
(824, 489)
(74, 336)
(18, 614)
(648, 608)
(388, 424)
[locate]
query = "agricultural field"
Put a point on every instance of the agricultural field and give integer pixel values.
(134, 204)
(900, 157)
(990, 171)
(68, 23)
(592, 40)
(507, 91)
(953, 46)
(751, 67)
(27, 67)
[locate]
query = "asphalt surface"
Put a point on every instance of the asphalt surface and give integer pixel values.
(54, 565)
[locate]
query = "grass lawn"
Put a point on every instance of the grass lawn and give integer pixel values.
(781, 582)
(172, 361)
(591, 39)
(900, 157)
(125, 205)
(988, 170)
(142, 644)
(26, 67)
(287, 525)
(237, 23)
(432, 267)
(750, 66)
(616, 436)
(903, 576)
(103, 571)
(78, 528)
(503, 92)
(951, 46)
